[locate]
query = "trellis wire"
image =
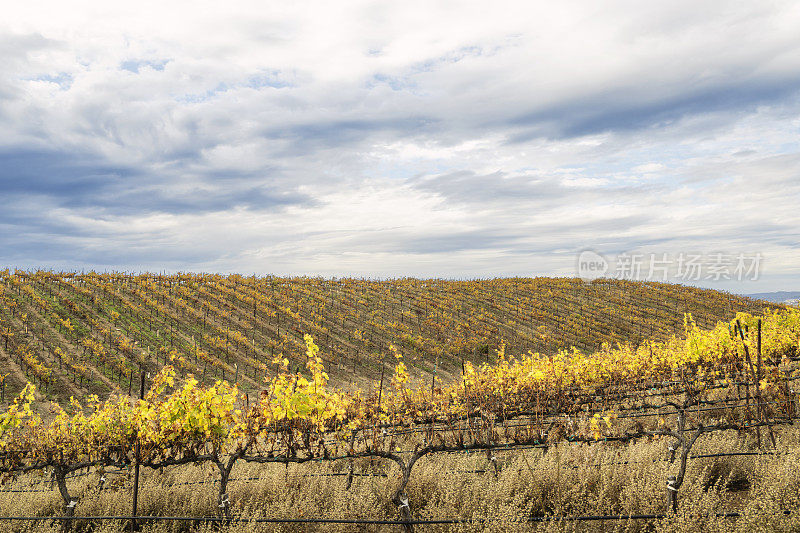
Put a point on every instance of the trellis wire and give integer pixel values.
(551, 518)
(478, 471)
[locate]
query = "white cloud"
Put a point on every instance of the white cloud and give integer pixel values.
(360, 137)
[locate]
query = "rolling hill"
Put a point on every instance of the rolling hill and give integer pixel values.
(777, 297)
(78, 334)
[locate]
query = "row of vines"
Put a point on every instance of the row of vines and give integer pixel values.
(736, 376)
(77, 333)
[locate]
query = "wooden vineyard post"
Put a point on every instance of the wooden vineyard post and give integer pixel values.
(433, 378)
(380, 385)
(758, 384)
(758, 346)
(134, 525)
(757, 397)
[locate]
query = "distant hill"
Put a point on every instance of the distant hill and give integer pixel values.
(75, 334)
(776, 297)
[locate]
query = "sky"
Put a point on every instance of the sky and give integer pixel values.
(432, 139)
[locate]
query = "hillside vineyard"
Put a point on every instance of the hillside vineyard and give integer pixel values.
(73, 334)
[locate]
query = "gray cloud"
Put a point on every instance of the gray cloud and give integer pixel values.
(308, 138)
(625, 110)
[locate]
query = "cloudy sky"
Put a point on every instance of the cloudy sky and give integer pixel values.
(399, 138)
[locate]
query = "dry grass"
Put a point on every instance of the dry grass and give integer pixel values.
(565, 480)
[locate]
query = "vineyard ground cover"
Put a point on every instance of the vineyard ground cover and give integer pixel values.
(569, 481)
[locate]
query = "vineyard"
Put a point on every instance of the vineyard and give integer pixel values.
(568, 439)
(79, 334)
